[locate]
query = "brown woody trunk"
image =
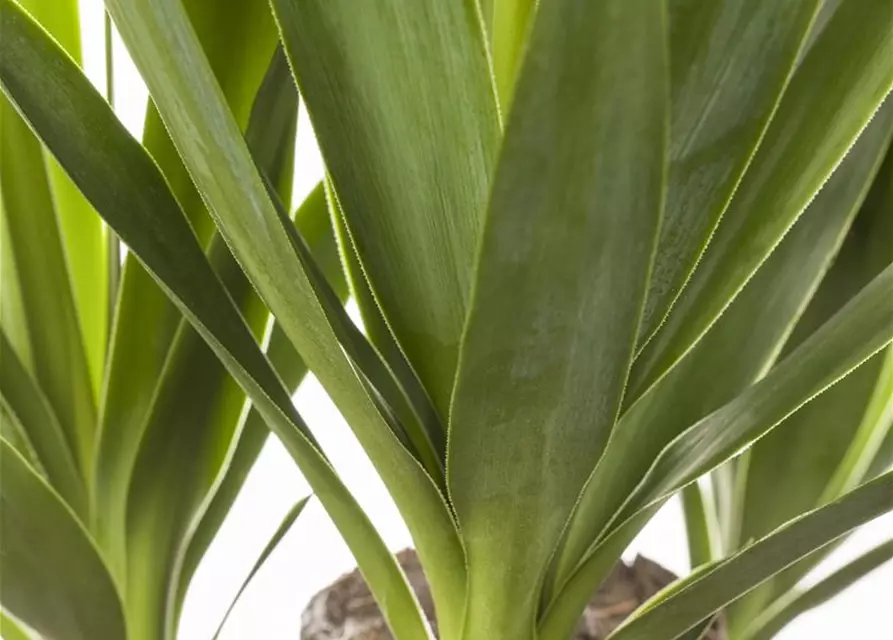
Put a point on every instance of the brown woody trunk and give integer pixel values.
(346, 610)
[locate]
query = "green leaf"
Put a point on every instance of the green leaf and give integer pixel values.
(720, 367)
(198, 407)
(562, 613)
(877, 420)
(404, 111)
(315, 225)
(127, 189)
(27, 402)
(510, 24)
(570, 232)
(685, 603)
(11, 629)
(13, 320)
(859, 330)
(165, 50)
(238, 37)
(82, 232)
(277, 536)
(12, 431)
(813, 128)
(730, 63)
(783, 611)
(699, 530)
(779, 486)
(60, 364)
(53, 577)
(417, 408)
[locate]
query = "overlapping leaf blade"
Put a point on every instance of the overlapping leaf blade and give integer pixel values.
(57, 349)
(685, 603)
(403, 108)
(165, 49)
(718, 368)
(813, 128)
(82, 233)
(61, 105)
(730, 63)
(235, 36)
(53, 577)
(783, 611)
(858, 331)
(12, 309)
(778, 486)
(24, 399)
(315, 226)
(197, 407)
(570, 232)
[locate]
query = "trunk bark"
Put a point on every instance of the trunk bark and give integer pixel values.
(346, 610)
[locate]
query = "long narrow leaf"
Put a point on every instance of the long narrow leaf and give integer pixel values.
(38, 420)
(432, 433)
(698, 531)
(238, 37)
(198, 407)
(165, 49)
(12, 309)
(854, 334)
(783, 611)
(717, 119)
(812, 130)
(778, 487)
(60, 364)
(277, 536)
(570, 233)
(403, 107)
(126, 188)
(683, 604)
(82, 233)
(314, 223)
(720, 367)
(53, 577)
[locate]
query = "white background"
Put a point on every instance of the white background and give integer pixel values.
(312, 554)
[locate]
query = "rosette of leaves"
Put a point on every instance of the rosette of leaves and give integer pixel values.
(601, 249)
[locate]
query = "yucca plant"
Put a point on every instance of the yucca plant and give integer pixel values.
(605, 251)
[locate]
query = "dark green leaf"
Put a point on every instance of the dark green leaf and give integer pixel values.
(736, 352)
(417, 408)
(126, 188)
(238, 38)
(859, 330)
(570, 232)
(402, 105)
(685, 603)
(165, 50)
(315, 226)
(826, 432)
(197, 407)
(730, 63)
(839, 85)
